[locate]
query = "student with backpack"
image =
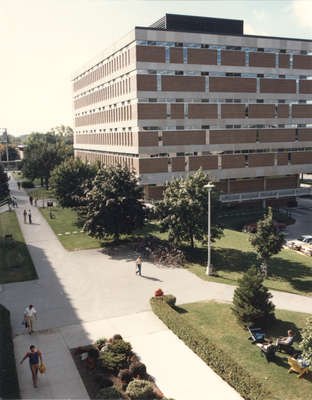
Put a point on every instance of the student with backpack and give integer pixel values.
(34, 356)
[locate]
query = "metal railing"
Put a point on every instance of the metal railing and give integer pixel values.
(266, 194)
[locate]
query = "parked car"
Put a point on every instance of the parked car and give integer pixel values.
(305, 239)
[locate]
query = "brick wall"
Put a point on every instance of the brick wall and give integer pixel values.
(152, 111)
(246, 185)
(283, 110)
(147, 82)
(277, 86)
(233, 161)
(232, 136)
(262, 60)
(282, 158)
(153, 165)
(202, 56)
(301, 157)
(155, 54)
(284, 182)
(305, 86)
(203, 111)
(260, 160)
(284, 61)
(236, 58)
(204, 162)
(220, 84)
(261, 111)
(178, 164)
(305, 134)
(233, 111)
(148, 138)
(302, 110)
(177, 111)
(302, 62)
(176, 55)
(277, 135)
(183, 83)
(183, 138)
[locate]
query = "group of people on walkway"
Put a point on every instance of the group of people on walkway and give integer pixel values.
(34, 355)
(33, 201)
(27, 214)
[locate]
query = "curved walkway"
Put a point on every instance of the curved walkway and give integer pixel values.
(86, 294)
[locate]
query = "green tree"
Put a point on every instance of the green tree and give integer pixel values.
(113, 204)
(41, 156)
(13, 154)
(183, 209)
(251, 301)
(266, 240)
(306, 343)
(68, 179)
(4, 187)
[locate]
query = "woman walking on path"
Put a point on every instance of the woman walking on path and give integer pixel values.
(139, 266)
(25, 216)
(29, 216)
(29, 314)
(34, 355)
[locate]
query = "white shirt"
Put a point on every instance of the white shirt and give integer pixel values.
(30, 312)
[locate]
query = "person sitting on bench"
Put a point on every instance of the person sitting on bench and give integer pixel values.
(285, 342)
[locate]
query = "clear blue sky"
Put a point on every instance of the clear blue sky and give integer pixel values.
(42, 42)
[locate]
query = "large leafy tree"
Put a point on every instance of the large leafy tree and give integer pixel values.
(251, 301)
(306, 342)
(42, 155)
(113, 203)
(68, 179)
(4, 187)
(266, 240)
(183, 209)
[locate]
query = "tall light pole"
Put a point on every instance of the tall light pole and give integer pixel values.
(209, 186)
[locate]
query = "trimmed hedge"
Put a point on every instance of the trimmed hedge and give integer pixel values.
(9, 387)
(221, 362)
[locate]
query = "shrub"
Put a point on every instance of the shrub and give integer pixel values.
(9, 388)
(93, 353)
(117, 337)
(221, 362)
(112, 362)
(124, 375)
(170, 299)
(121, 347)
(103, 381)
(100, 343)
(140, 390)
(28, 184)
(251, 301)
(108, 393)
(137, 368)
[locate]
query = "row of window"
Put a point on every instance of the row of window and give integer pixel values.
(218, 47)
(216, 127)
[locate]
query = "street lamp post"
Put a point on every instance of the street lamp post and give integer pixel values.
(210, 186)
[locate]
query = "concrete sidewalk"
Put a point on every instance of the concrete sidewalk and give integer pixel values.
(151, 340)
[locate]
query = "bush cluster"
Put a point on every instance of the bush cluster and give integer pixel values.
(222, 363)
(137, 369)
(140, 390)
(28, 184)
(170, 299)
(100, 343)
(109, 393)
(9, 388)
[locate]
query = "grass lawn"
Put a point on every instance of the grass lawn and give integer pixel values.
(15, 262)
(233, 254)
(217, 322)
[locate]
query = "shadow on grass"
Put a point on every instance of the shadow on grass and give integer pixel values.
(232, 260)
(280, 328)
(180, 310)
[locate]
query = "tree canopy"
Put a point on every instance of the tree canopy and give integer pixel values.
(183, 209)
(251, 301)
(4, 186)
(42, 154)
(113, 203)
(68, 179)
(266, 240)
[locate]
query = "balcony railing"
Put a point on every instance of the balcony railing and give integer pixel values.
(266, 194)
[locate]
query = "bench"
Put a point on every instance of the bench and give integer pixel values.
(294, 366)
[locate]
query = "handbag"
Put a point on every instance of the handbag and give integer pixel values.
(42, 369)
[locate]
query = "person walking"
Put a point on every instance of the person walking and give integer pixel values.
(19, 185)
(25, 216)
(138, 264)
(30, 314)
(34, 356)
(31, 200)
(36, 201)
(29, 216)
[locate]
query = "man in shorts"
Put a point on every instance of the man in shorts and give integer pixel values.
(34, 356)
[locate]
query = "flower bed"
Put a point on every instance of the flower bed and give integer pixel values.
(110, 370)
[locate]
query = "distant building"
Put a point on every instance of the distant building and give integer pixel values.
(190, 92)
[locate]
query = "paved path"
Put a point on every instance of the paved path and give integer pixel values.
(83, 295)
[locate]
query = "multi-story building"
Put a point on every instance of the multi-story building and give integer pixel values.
(190, 92)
